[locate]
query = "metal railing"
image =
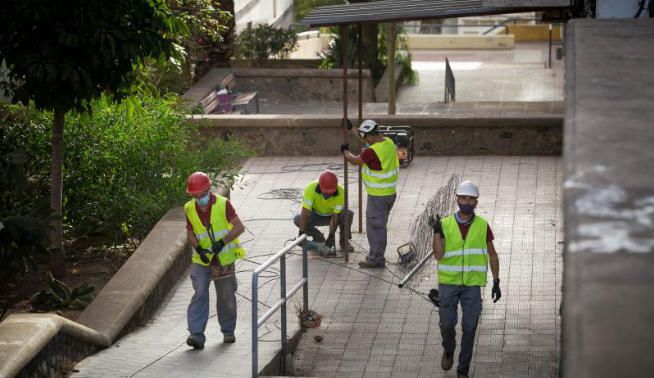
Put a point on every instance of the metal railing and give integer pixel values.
(450, 84)
(281, 304)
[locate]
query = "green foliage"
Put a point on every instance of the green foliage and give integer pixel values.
(59, 295)
(62, 53)
(262, 42)
(125, 164)
(23, 227)
(301, 8)
(402, 54)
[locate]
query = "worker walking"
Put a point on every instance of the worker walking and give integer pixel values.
(463, 246)
(380, 174)
(212, 230)
(322, 205)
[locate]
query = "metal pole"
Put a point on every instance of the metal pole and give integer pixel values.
(305, 275)
(414, 270)
(345, 138)
(255, 326)
(390, 59)
(282, 285)
(360, 120)
(549, 53)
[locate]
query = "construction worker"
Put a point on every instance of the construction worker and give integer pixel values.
(322, 204)
(463, 246)
(380, 174)
(212, 230)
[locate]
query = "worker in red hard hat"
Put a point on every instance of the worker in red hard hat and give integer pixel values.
(322, 205)
(212, 231)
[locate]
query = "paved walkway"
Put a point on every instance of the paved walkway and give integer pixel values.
(371, 327)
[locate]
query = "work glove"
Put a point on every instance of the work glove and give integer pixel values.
(436, 224)
(345, 147)
(218, 246)
(496, 293)
(433, 296)
(300, 233)
(347, 123)
(203, 254)
(330, 240)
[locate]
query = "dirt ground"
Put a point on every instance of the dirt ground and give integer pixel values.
(90, 265)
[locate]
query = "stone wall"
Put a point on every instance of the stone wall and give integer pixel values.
(312, 136)
(283, 86)
(58, 357)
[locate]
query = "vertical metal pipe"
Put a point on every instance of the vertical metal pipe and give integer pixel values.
(549, 53)
(255, 325)
(305, 275)
(282, 287)
(360, 52)
(344, 46)
(390, 62)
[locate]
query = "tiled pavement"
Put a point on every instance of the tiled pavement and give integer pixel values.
(371, 327)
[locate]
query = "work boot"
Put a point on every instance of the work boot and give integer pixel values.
(369, 264)
(318, 237)
(350, 248)
(194, 342)
(229, 338)
(447, 361)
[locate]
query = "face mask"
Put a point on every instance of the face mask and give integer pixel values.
(466, 209)
(203, 201)
(325, 196)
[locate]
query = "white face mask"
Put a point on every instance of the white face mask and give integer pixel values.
(203, 200)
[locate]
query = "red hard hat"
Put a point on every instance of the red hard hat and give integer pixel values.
(328, 182)
(197, 182)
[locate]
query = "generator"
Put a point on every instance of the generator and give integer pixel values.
(403, 137)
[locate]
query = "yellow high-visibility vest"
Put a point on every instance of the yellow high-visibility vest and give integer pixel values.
(384, 182)
(465, 261)
(314, 201)
(220, 227)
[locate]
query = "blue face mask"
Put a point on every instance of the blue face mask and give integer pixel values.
(203, 201)
(325, 195)
(467, 208)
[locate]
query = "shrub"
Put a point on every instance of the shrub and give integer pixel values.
(262, 42)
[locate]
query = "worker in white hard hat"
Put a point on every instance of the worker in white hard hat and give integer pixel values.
(380, 174)
(463, 246)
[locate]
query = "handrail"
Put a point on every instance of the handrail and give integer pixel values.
(281, 303)
(450, 84)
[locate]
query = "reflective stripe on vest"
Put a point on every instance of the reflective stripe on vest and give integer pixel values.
(220, 226)
(314, 201)
(465, 262)
(383, 182)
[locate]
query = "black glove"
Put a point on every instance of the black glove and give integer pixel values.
(347, 124)
(496, 293)
(300, 233)
(436, 224)
(203, 254)
(345, 147)
(330, 241)
(218, 246)
(433, 296)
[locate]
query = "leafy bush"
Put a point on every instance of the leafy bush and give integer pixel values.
(124, 166)
(262, 42)
(59, 295)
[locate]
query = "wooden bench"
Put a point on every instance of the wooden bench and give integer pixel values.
(240, 102)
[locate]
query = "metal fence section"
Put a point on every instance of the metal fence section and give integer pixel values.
(280, 304)
(450, 85)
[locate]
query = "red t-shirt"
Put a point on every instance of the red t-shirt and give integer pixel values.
(205, 216)
(464, 227)
(369, 157)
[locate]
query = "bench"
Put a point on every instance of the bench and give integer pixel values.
(236, 102)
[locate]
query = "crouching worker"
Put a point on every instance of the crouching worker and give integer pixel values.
(212, 230)
(322, 205)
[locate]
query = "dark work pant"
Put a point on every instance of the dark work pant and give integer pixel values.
(316, 219)
(470, 298)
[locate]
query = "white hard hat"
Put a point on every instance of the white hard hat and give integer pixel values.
(467, 188)
(367, 126)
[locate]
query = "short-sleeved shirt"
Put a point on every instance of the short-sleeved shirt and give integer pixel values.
(313, 200)
(371, 159)
(206, 215)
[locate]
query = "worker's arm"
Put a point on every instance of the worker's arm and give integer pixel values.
(493, 260)
(237, 229)
(192, 239)
(439, 246)
(333, 224)
(351, 158)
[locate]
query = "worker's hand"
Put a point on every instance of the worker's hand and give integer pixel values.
(433, 296)
(330, 241)
(496, 293)
(347, 123)
(435, 223)
(203, 254)
(218, 246)
(345, 147)
(300, 233)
